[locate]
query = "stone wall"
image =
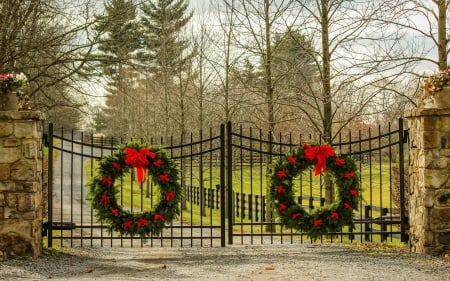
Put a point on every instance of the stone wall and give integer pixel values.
(20, 183)
(429, 171)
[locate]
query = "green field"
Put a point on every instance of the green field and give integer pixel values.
(375, 181)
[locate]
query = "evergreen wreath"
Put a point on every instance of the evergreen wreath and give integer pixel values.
(326, 219)
(146, 160)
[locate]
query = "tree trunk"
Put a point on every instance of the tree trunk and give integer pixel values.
(270, 110)
(442, 34)
(326, 83)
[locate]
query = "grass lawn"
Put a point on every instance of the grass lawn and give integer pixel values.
(375, 181)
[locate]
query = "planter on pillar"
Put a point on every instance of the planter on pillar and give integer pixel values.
(13, 92)
(442, 98)
(9, 101)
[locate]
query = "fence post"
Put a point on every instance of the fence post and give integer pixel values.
(221, 188)
(50, 188)
(367, 228)
(401, 162)
(229, 184)
(384, 235)
(250, 206)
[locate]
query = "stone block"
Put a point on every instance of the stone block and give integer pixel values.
(11, 143)
(7, 186)
(11, 200)
(5, 172)
(28, 186)
(444, 237)
(445, 140)
(444, 152)
(25, 130)
(442, 198)
(28, 215)
(428, 238)
(439, 163)
(25, 202)
(24, 170)
(425, 222)
(429, 198)
(6, 129)
(9, 154)
(431, 139)
(28, 149)
(436, 179)
(10, 213)
(429, 124)
(16, 239)
(439, 219)
(443, 124)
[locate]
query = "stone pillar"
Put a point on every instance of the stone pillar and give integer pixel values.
(20, 183)
(429, 214)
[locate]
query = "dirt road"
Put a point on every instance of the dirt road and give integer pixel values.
(262, 262)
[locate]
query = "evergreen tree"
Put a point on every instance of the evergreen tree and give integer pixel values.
(295, 74)
(121, 36)
(118, 47)
(293, 61)
(165, 50)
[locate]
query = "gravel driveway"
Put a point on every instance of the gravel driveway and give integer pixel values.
(256, 262)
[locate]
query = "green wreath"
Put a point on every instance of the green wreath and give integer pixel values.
(145, 160)
(326, 219)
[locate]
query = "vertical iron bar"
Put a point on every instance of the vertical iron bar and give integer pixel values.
(367, 224)
(191, 160)
(50, 187)
(360, 175)
(370, 180)
(250, 209)
(61, 159)
(222, 186)
(380, 156)
(81, 188)
(202, 187)
(183, 185)
(401, 163)
(71, 184)
(390, 176)
(239, 207)
(261, 185)
(151, 199)
(211, 191)
(229, 182)
(269, 204)
(91, 209)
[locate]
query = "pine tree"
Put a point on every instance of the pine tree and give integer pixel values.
(165, 50)
(122, 37)
(119, 45)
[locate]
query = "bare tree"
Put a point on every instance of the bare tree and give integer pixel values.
(425, 24)
(47, 40)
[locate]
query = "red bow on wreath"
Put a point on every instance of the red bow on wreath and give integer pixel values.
(320, 153)
(138, 159)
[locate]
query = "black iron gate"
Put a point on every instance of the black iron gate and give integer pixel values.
(379, 153)
(212, 213)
